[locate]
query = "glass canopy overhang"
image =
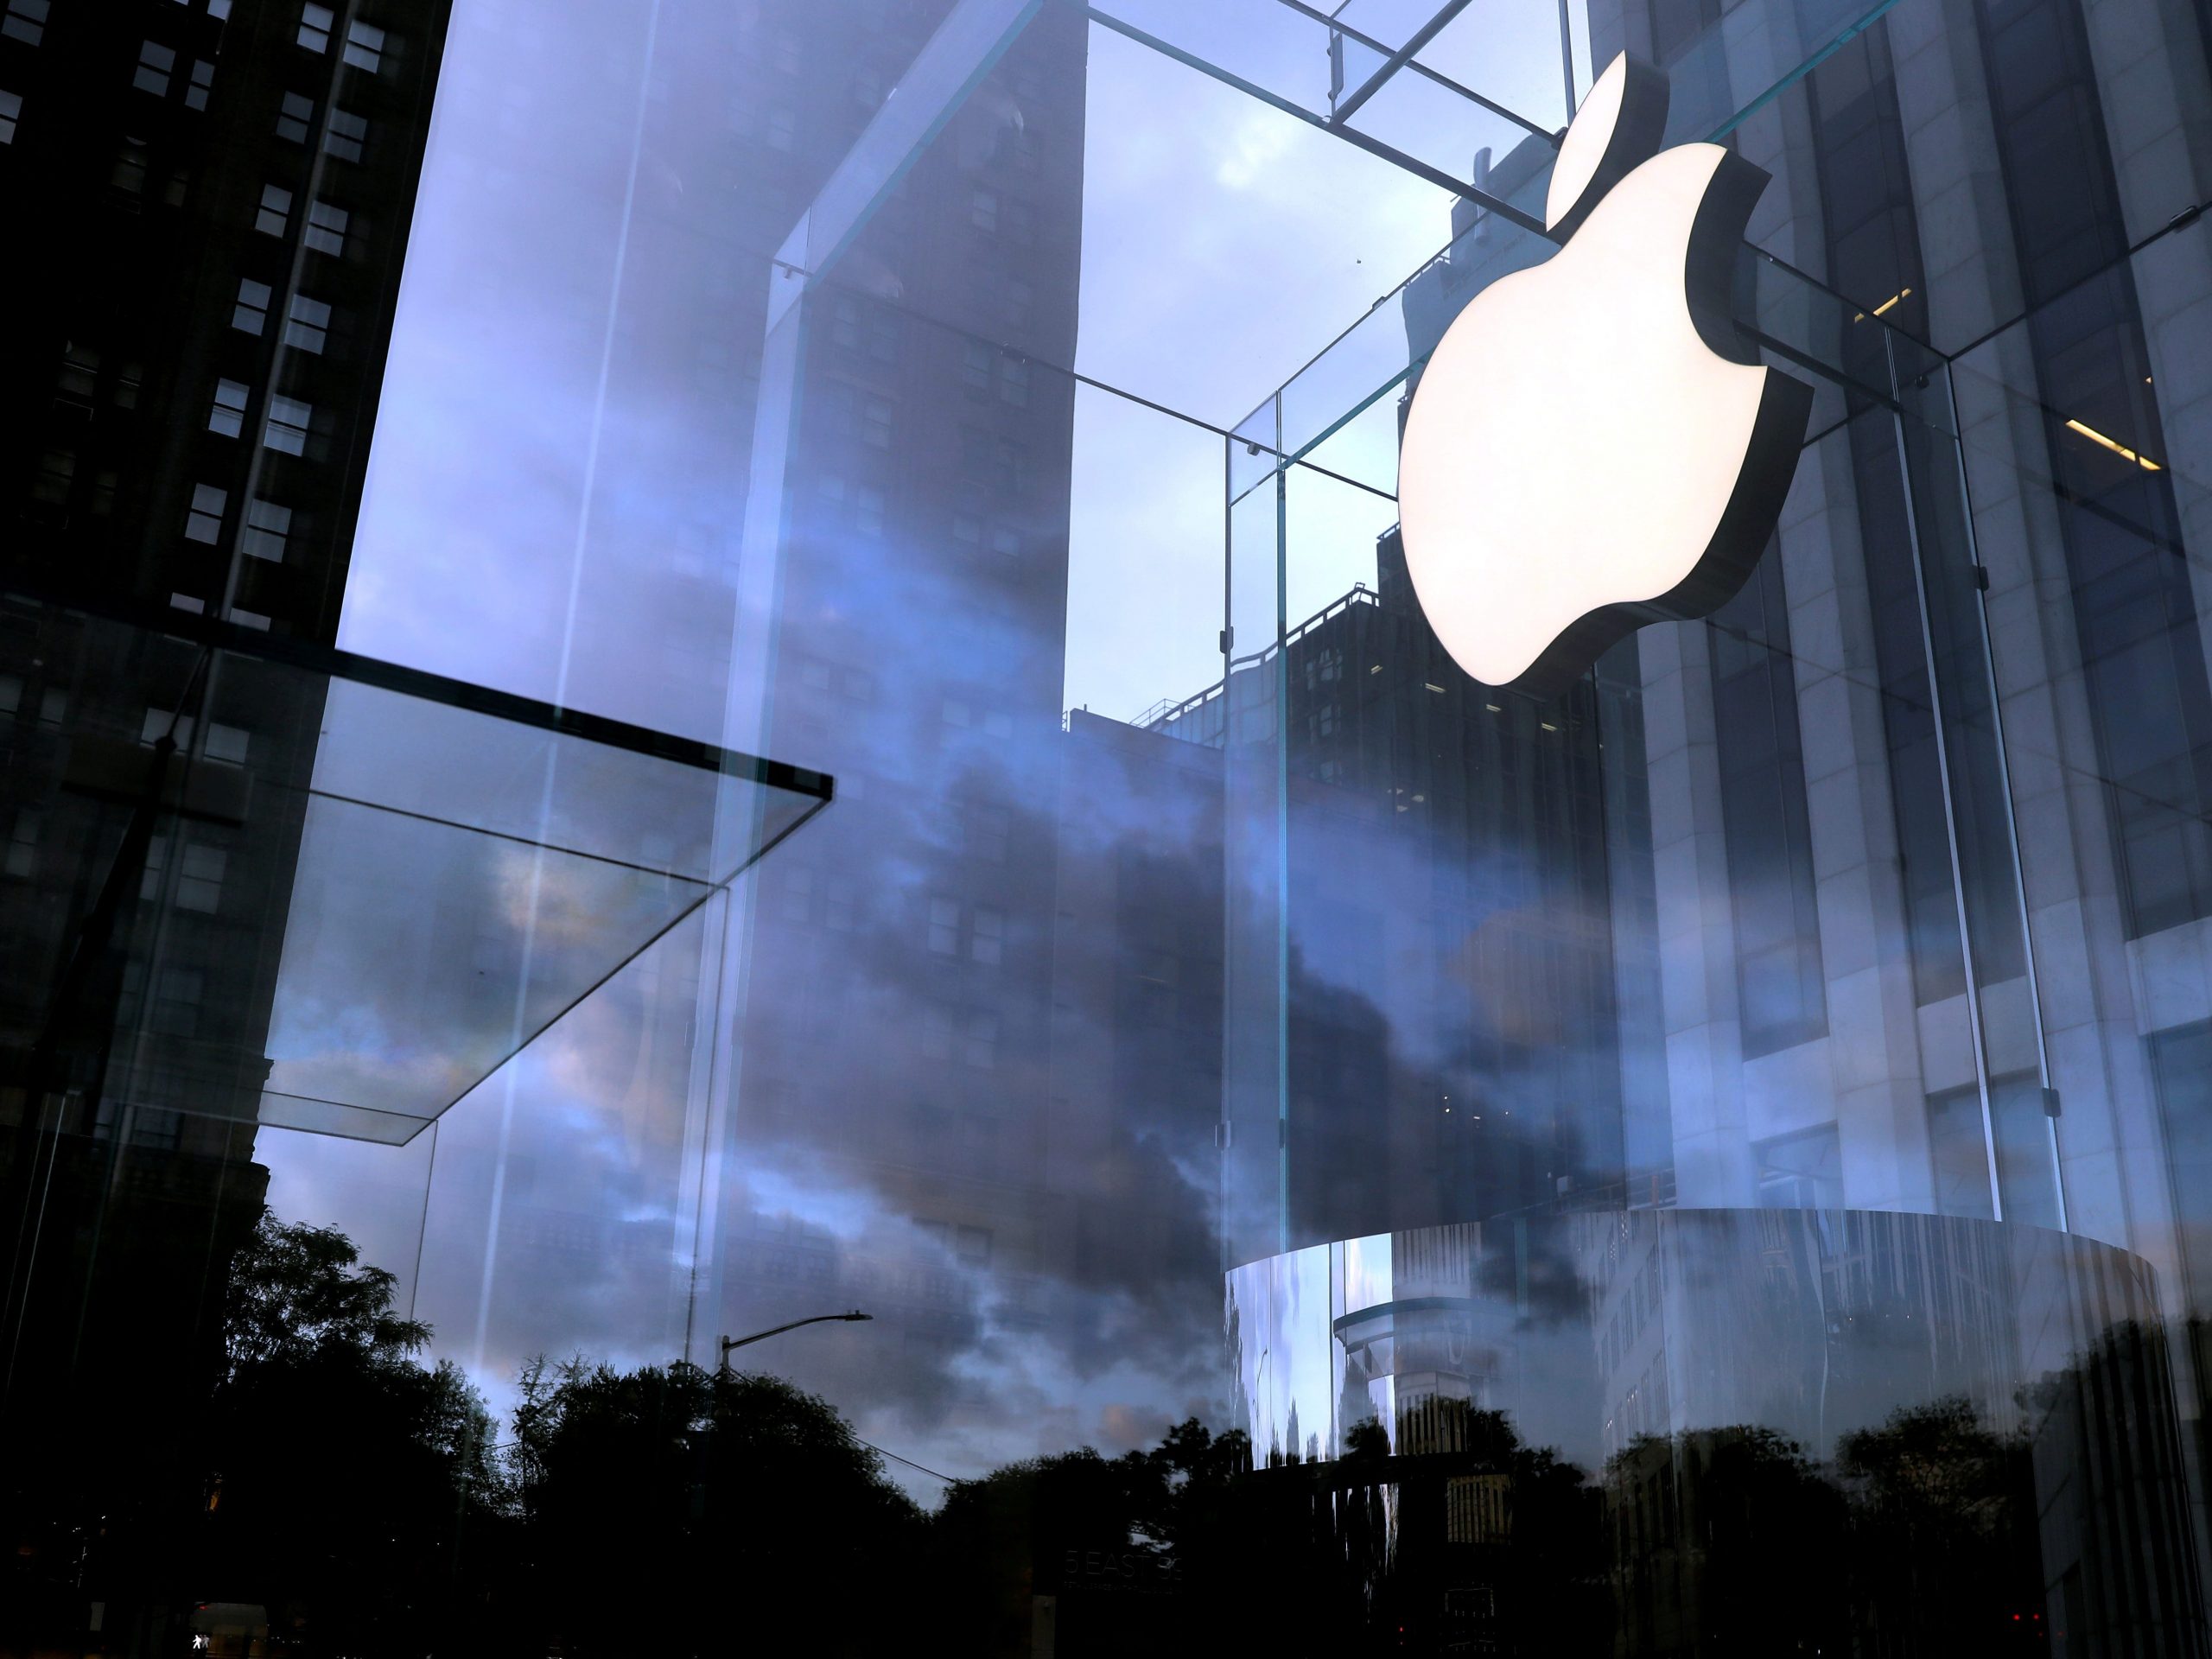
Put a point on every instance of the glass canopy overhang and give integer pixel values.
(288, 886)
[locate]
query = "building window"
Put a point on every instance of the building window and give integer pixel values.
(307, 325)
(979, 1045)
(267, 524)
(1801, 1171)
(314, 28)
(57, 470)
(975, 367)
(79, 377)
(199, 880)
(11, 110)
(22, 843)
(967, 530)
(1013, 382)
(177, 993)
(984, 210)
(25, 20)
(783, 130)
(937, 1033)
(203, 521)
(1006, 541)
(945, 927)
(288, 425)
(326, 231)
(203, 77)
(983, 833)
(365, 47)
(130, 174)
(1782, 994)
(845, 321)
(154, 62)
(275, 211)
(293, 117)
(346, 134)
(876, 422)
(11, 694)
(250, 311)
(226, 415)
(987, 936)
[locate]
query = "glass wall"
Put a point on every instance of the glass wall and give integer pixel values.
(758, 873)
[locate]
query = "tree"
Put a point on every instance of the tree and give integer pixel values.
(668, 1510)
(352, 1490)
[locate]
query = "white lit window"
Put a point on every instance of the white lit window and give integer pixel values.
(204, 521)
(293, 117)
(250, 312)
(154, 62)
(314, 28)
(191, 604)
(267, 524)
(22, 843)
(246, 619)
(346, 134)
(219, 10)
(365, 47)
(24, 20)
(203, 77)
(11, 110)
(326, 231)
(288, 425)
(227, 413)
(308, 323)
(945, 927)
(276, 208)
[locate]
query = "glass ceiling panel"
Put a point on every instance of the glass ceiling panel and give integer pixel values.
(448, 870)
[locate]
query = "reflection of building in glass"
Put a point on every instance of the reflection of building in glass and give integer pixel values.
(219, 198)
(895, 1035)
(1815, 1424)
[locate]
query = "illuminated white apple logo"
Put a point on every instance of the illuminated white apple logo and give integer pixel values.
(1593, 445)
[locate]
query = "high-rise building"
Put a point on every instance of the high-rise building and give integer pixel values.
(218, 196)
(918, 655)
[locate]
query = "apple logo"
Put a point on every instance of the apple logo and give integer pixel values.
(1594, 444)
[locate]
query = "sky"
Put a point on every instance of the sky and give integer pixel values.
(541, 462)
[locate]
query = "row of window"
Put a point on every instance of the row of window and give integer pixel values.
(325, 231)
(344, 137)
(286, 428)
(263, 535)
(307, 324)
(364, 42)
(156, 67)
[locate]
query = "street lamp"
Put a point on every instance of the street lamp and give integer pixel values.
(730, 1343)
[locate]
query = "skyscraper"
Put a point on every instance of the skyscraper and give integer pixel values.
(220, 196)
